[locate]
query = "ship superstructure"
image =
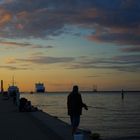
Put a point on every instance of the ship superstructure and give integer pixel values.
(39, 87)
(13, 89)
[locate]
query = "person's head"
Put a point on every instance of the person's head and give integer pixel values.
(75, 89)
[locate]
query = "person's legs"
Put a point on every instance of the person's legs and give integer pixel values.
(14, 100)
(75, 120)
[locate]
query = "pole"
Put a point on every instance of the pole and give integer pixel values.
(2, 86)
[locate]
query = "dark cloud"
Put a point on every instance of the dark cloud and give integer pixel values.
(14, 44)
(93, 76)
(11, 44)
(118, 38)
(129, 63)
(128, 59)
(42, 47)
(126, 63)
(124, 68)
(114, 21)
(13, 68)
(131, 49)
(47, 60)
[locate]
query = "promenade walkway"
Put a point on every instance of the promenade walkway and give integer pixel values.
(15, 125)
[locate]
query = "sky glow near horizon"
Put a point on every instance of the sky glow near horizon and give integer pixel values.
(67, 42)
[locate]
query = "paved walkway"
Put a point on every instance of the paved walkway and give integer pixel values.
(16, 125)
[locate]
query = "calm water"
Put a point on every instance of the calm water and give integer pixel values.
(108, 114)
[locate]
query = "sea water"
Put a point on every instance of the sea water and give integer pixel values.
(108, 114)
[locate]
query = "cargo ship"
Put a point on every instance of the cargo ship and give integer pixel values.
(39, 87)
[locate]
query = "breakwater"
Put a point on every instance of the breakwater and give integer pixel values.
(30, 125)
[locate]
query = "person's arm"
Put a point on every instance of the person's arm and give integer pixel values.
(83, 104)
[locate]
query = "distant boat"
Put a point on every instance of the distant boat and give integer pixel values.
(31, 92)
(94, 88)
(13, 89)
(39, 87)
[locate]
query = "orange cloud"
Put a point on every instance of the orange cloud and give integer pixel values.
(5, 17)
(19, 26)
(22, 14)
(22, 19)
(91, 13)
(93, 38)
(10, 60)
(135, 31)
(13, 44)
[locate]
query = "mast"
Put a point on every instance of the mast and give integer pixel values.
(94, 88)
(12, 80)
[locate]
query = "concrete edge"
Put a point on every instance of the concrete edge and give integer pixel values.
(55, 126)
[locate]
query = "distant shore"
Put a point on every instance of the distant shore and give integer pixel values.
(88, 91)
(108, 91)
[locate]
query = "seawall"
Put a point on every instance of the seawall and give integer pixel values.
(58, 127)
(15, 125)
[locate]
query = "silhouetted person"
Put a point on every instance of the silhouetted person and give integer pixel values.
(122, 94)
(17, 98)
(75, 105)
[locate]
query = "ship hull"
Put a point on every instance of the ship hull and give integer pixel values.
(12, 90)
(40, 90)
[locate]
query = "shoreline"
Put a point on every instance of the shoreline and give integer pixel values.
(57, 126)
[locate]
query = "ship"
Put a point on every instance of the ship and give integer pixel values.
(39, 87)
(13, 88)
(94, 88)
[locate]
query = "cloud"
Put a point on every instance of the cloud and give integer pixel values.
(13, 68)
(134, 59)
(129, 63)
(125, 63)
(12, 44)
(5, 17)
(118, 38)
(42, 47)
(131, 49)
(24, 64)
(47, 60)
(114, 21)
(10, 60)
(93, 76)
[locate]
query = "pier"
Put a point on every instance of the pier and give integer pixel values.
(15, 125)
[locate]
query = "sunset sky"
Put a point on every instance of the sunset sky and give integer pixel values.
(67, 42)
